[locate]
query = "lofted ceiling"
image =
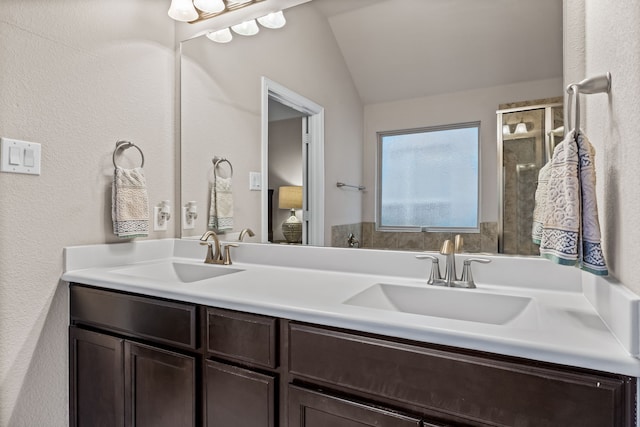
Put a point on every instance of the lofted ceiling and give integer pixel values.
(400, 49)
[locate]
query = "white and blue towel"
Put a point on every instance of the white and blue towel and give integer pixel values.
(565, 221)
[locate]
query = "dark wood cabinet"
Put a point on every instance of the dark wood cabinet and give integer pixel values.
(96, 377)
(143, 361)
(160, 387)
(309, 408)
(238, 397)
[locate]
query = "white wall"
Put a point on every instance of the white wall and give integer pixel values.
(468, 106)
(75, 76)
(221, 109)
(612, 43)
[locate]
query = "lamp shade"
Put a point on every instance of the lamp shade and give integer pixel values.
(182, 10)
(247, 28)
(211, 6)
(521, 128)
(273, 20)
(220, 36)
(290, 197)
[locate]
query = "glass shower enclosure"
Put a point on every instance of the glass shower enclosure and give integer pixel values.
(527, 134)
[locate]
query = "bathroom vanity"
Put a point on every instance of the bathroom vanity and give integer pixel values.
(262, 346)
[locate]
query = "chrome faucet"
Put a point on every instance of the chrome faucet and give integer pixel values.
(450, 278)
(244, 232)
(212, 257)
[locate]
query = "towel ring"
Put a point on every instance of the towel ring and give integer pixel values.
(123, 145)
(217, 160)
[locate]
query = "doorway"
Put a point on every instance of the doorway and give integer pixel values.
(310, 117)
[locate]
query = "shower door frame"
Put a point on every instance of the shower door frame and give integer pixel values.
(548, 125)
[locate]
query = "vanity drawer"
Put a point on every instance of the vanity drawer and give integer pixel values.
(242, 336)
(158, 320)
(467, 387)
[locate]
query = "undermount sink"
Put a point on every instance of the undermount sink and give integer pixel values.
(459, 304)
(176, 272)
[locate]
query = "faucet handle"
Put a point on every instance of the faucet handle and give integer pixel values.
(458, 243)
(227, 253)
(435, 268)
(467, 277)
(447, 248)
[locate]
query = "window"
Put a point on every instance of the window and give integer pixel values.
(428, 178)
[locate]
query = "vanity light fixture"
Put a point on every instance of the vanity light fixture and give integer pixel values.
(182, 10)
(210, 6)
(220, 36)
(246, 28)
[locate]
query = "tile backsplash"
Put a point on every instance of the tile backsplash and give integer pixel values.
(484, 241)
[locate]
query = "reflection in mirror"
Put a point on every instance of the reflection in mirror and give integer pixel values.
(437, 63)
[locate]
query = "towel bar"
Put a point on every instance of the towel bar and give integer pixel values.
(123, 145)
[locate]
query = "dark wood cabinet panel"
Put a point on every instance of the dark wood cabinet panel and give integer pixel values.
(160, 387)
(238, 397)
(309, 408)
(246, 337)
(96, 379)
(467, 387)
(168, 322)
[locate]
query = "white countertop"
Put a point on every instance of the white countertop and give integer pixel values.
(562, 326)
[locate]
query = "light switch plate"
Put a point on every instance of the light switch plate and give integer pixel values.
(255, 181)
(13, 154)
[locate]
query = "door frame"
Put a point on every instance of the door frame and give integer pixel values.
(314, 212)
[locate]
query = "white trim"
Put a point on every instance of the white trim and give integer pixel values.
(271, 89)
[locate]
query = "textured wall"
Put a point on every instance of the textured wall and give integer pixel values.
(76, 76)
(612, 43)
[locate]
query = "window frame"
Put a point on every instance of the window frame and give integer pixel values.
(378, 193)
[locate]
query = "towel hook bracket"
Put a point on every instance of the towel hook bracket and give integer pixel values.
(216, 162)
(123, 145)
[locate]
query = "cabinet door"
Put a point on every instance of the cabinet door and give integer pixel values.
(238, 397)
(95, 379)
(160, 387)
(313, 409)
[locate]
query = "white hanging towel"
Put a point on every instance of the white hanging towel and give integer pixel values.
(221, 208)
(129, 203)
(567, 210)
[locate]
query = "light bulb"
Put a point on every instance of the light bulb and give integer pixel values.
(247, 28)
(220, 36)
(182, 10)
(273, 20)
(210, 6)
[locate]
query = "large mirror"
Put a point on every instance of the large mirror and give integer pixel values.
(374, 66)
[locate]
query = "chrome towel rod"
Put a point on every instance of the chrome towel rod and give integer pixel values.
(358, 187)
(597, 84)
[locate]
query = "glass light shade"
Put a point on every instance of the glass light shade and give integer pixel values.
(210, 6)
(290, 197)
(506, 130)
(520, 128)
(247, 28)
(182, 10)
(220, 36)
(273, 20)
